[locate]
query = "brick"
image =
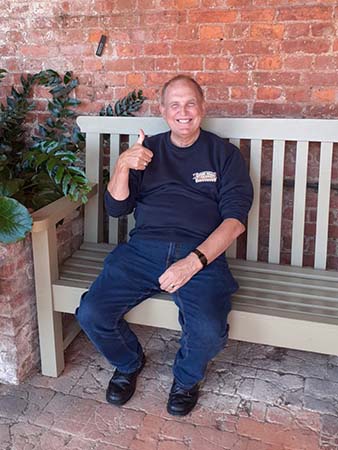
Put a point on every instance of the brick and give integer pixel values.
(237, 30)
(147, 4)
(144, 63)
(294, 30)
(258, 15)
(158, 79)
(270, 63)
(140, 35)
(225, 78)
(165, 63)
(165, 34)
(128, 5)
(118, 65)
(211, 32)
(324, 95)
(197, 48)
(320, 79)
(267, 30)
(129, 50)
(244, 62)
(227, 109)
(305, 13)
(187, 4)
(276, 78)
(306, 46)
(187, 32)
(297, 94)
(250, 47)
(324, 62)
(277, 109)
(217, 93)
(209, 16)
(190, 63)
(297, 62)
(268, 93)
(156, 49)
(217, 63)
(135, 79)
(92, 65)
(34, 50)
(109, 21)
(159, 18)
(322, 29)
(242, 93)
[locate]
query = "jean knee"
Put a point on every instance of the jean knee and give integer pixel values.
(86, 313)
(214, 336)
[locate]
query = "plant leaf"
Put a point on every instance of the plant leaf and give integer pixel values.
(15, 220)
(10, 187)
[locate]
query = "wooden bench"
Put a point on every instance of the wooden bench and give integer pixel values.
(285, 305)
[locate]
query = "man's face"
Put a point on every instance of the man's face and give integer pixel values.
(183, 110)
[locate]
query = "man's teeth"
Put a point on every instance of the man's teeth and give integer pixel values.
(183, 120)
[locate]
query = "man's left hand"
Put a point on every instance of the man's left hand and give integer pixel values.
(179, 273)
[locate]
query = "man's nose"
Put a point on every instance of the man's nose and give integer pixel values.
(183, 109)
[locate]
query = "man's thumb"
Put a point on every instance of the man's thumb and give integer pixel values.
(141, 137)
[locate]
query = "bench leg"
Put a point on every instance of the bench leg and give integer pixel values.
(49, 321)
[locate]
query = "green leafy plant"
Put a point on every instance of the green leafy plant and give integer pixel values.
(37, 169)
(125, 106)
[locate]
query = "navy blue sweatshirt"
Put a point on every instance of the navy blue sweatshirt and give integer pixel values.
(185, 193)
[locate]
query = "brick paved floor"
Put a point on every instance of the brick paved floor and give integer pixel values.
(253, 398)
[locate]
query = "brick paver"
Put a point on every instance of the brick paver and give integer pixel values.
(254, 397)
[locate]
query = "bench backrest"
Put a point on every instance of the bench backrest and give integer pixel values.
(253, 134)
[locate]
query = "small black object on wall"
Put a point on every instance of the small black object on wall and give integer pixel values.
(101, 45)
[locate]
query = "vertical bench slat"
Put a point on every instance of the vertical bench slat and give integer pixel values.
(93, 225)
(299, 200)
(253, 219)
(232, 250)
(323, 204)
(276, 201)
(131, 220)
(114, 154)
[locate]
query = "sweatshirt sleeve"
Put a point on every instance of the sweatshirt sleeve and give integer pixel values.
(236, 191)
(117, 208)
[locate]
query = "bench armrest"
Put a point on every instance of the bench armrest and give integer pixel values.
(54, 212)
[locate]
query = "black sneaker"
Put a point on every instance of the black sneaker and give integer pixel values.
(182, 401)
(122, 386)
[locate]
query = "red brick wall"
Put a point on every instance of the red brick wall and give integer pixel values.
(254, 57)
(19, 345)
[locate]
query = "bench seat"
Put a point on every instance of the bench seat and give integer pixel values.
(293, 300)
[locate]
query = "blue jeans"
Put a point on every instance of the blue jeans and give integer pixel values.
(130, 275)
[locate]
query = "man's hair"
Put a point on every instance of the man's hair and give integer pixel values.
(181, 78)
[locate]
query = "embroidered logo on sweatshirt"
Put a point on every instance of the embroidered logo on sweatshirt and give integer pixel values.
(205, 177)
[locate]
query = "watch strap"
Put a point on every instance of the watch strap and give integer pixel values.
(201, 257)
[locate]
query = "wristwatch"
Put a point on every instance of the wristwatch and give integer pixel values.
(201, 257)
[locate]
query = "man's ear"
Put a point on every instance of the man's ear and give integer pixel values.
(162, 110)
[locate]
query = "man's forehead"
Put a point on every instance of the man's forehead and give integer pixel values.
(181, 88)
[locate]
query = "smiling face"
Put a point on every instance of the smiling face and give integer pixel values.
(183, 109)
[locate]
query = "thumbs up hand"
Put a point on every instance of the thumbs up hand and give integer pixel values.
(136, 157)
(141, 137)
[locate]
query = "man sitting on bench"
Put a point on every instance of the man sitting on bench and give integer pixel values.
(191, 194)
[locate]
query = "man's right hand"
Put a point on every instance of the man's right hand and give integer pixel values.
(136, 157)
